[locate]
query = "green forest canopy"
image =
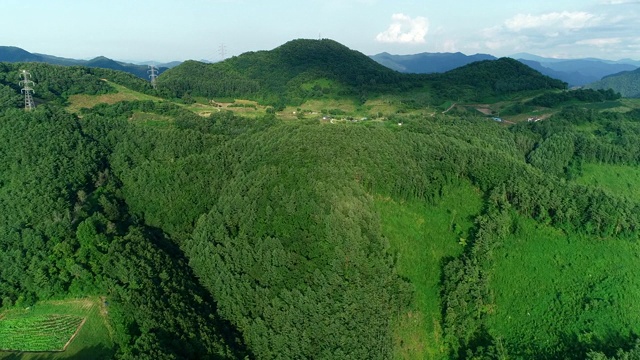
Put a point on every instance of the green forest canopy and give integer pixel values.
(226, 237)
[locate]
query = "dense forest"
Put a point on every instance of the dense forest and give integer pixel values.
(626, 83)
(225, 237)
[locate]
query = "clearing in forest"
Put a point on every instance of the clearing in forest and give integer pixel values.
(622, 180)
(423, 235)
(77, 102)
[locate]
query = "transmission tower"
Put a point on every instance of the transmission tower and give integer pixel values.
(27, 90)
(153, 75)
(222, 50)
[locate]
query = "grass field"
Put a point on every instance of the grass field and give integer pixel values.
(622, 180)
(246, 108)
(423, 235)
(152, 120)
(558, 294)
(43, 331)
(77, 102)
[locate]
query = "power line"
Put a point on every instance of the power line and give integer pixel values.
(153, 75)
(27, 90)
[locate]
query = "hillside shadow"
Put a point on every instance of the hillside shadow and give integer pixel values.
(231, 336)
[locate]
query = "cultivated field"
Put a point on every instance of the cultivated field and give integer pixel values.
(75, 328)
(27, 332)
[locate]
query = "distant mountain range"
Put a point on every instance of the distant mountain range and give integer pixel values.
(427, 63)
(575, 72)
(15, 54)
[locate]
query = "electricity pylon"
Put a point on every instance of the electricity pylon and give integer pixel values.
(222, 50)
(153, 75)
(27, 90)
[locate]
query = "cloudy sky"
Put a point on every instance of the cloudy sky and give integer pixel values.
(168, 30)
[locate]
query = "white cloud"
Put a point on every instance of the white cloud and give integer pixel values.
(556, 20)
(405, 30)
(449, 46)
(620, 2)
(600, 42)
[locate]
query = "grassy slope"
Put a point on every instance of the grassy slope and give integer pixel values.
(553, 291)
(77, 102)
(93, 341)
(422, 235)
(622, 180)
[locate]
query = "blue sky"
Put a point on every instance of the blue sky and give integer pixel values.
(168, 30)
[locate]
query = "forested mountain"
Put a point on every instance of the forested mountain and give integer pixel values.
(424, 235)
(488, 78)
(14, 54)
(426, 63)
(286, 74)
(304, 69)
(626, 83)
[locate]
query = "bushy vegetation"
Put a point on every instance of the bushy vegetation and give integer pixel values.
(553, 99)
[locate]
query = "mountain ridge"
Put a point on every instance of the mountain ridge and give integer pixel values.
(16, 54)
(428, 62)
(302, 69)
(575, 72)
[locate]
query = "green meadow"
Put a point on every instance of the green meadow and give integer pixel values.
(622, 180)
(422, 235)
(555, 293)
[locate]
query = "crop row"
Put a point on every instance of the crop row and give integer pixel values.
(38, 333)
